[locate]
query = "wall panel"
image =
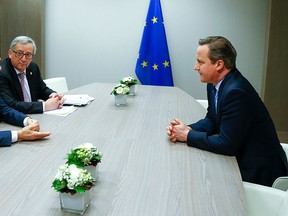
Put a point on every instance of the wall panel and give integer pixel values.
(25, 17)
(276, 85)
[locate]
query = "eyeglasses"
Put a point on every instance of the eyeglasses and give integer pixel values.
(20, 54)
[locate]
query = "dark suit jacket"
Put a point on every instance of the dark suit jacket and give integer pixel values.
(11, 92)
(10, 116)
(243, 128)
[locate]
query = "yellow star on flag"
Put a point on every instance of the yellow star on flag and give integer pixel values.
(144, 64)
(154, 20)
(166, 64)
(155, 66)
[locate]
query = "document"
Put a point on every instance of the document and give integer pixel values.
(78, 99)
(63, 111)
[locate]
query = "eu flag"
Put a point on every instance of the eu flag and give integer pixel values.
(153, 65)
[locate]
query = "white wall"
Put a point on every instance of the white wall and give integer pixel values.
(98, 41)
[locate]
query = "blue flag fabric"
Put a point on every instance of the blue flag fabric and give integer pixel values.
(153, 65)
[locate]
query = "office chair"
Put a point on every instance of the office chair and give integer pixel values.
(265, 201)
(281, 183)
(58, 84)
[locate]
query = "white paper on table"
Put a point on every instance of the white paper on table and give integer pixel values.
(78, 99)
(63, 111)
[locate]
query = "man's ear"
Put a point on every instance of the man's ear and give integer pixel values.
(10, 53)
(220, 65)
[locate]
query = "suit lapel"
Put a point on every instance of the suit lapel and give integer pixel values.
(224, 83)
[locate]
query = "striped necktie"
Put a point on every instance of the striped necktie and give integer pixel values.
(24, 90)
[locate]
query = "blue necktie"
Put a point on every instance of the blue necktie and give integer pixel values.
(214, 98)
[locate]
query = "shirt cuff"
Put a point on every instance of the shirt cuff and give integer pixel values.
(25, 122)
(43, 106)
(14, 136)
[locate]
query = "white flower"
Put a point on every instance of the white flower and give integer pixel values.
(86, 145)
(126, 90)
(84, 154)
(129, 81)
(119, 90)
(74, 172)
(73, 178)
(61, 174)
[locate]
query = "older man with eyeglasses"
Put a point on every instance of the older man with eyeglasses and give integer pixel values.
(21, 85)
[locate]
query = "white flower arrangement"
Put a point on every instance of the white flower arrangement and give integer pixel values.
(120, 89)
(129, 81)
(84, 155)
(72, 179)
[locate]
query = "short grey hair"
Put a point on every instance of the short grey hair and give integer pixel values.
(23, 40)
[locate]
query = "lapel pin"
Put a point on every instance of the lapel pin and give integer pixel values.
(30, 72)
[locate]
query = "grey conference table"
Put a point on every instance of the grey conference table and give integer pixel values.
(142, 172)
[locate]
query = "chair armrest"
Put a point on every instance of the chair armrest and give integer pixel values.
(261, 200)
(281, 183)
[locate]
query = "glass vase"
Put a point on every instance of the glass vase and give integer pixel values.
(76, 203)
(121, 100)
(132, 90)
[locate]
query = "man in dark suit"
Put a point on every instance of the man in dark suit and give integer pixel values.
(237, 122)
(21, 85)
(30, 131)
